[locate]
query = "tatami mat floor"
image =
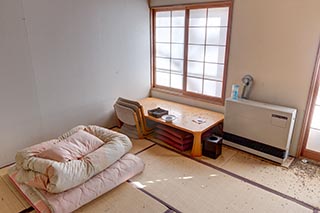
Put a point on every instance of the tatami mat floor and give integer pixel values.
(190, 186)
(300, 181)
(174, 182)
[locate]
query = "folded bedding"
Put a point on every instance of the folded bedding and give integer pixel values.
(71, 159)
(126, 167)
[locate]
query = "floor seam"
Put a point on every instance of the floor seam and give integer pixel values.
(145, 149)
(30, 209)
(251, 182)
(156, 198)
(230, 159)
(170, 208)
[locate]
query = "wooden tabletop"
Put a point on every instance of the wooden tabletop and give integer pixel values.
(186, 116)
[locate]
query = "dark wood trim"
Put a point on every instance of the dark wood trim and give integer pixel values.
(164, 88)
(6, 165)
(227, 54)
(312, 96)
(152, 47)
(311, 154)
(189, 95)
(170, 60)
(210, 99)
(205, 50)
(186, 40)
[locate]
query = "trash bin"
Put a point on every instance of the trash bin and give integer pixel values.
(212, 146)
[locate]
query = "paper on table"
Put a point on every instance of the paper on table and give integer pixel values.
(199, 120)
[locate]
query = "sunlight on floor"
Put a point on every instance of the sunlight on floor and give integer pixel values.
(184, 178)
(138, 185)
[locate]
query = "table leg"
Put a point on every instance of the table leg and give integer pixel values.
(196, 148)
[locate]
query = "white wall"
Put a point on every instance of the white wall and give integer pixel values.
(276, 42)
(20, 119)
(64, 63)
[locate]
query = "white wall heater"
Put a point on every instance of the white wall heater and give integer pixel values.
(259, 128)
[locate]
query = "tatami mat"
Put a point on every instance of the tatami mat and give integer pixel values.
(192, 187)
(8, 200)
(3, 171)
(227, 153)
(14, 190)
(139, 145)
(300, 181)
(124, 198)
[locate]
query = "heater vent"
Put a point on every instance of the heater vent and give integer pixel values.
(261, 147)
(259, 128)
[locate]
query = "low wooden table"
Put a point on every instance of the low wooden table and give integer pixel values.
(186, 116)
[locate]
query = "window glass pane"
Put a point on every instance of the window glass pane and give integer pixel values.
(217, 35)
(194, 85)
(215, 54)
(176, 81)
(163, 50)
(162, 63)
(198, 17)
(313, 140)
(212, 88)
(178, 35)
(197, 35)
(195, 69)
(177, 65)
(196, 52)
(163, 19)
(177, 51)
(162, 78)
(213, 71)
(218, 16)
(206, 48)
(178, 18)
(163, 35)
(315, 123)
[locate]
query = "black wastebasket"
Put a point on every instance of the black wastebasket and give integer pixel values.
(212, 146)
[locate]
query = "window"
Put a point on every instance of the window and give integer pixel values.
(190, 49)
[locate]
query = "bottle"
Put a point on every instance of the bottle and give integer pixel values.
(235, 91)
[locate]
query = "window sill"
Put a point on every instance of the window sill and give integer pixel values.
(212, 101)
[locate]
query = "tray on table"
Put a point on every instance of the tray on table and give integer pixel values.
(158, 112)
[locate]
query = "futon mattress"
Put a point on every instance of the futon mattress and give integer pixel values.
(123, 169)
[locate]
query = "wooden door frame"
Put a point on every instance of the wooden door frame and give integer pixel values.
(312, 97)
